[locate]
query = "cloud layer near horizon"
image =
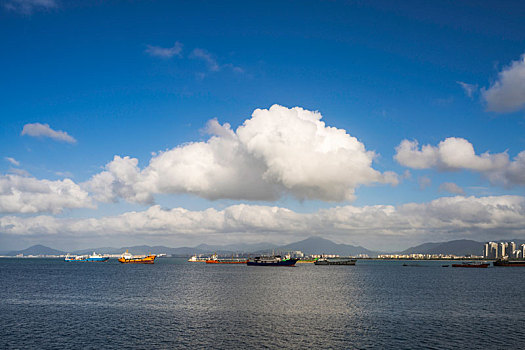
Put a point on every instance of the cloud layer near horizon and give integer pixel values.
(456, 153)
(279, 151)
(473, 217)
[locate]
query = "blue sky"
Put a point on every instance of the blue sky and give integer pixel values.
(143, 79)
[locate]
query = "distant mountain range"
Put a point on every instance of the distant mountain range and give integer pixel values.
(318, 245)
(312, 245)
(457, 247)
(36, 250)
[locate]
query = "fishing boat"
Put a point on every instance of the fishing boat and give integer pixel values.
(96, 258)
(75, 258)
(306, 261)
(274, 260)
(508, 263)
(481, 265)
(335, 261)
(216, 260)
(127, 258)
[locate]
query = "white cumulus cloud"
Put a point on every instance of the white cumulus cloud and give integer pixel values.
(20, 194)
(44, 130)
(278, 151)
(507, 94)
(458, 154)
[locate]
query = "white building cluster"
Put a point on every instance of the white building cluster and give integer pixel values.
(509, 250)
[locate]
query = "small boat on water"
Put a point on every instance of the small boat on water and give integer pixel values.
(127, 258)
(86, 258)
(306, 261)
(75, 258)
(335, 261)
(508, 263)
(481, 265)
(216, 260)
(97, 257)
(196, 258)
(274, 260)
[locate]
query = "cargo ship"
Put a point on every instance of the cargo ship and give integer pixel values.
(509, 263)
(86, 258)
(216, 260)
(127, 258)
(472, 265)
(275, 260)
(335, 261)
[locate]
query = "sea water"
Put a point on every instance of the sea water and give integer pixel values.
(52, 304)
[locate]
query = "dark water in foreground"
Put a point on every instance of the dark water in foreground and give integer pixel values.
(51, 304)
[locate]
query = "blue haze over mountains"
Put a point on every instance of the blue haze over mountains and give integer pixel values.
(312, 245)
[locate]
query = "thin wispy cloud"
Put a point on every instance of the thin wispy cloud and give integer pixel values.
(451, 187)
(211, 62)
(27, 7)
(424, 182)
(469, 89)
(13, 161)
(205, 56)
(209, 59)
(19, 172)
(165, 52)
(44, 130)
(507, 94)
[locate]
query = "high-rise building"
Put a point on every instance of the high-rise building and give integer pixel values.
(511, 247)
(490, 250)
(503, 249)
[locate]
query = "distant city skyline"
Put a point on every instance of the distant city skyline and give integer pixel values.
(177, 123)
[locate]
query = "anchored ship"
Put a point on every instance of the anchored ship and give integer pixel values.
(86, 258)
(127, 258)
(335, 261)
(274, 260)
(507, 263)
(472, 265)
(215, 260)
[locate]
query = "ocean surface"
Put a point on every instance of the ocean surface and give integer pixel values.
(173, 304)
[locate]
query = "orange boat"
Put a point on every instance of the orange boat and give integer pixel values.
(127, 258)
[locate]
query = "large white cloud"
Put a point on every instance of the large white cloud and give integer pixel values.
(21, 194)
(440, 219)
(278, 151)
(507, 94)
(457, 153)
